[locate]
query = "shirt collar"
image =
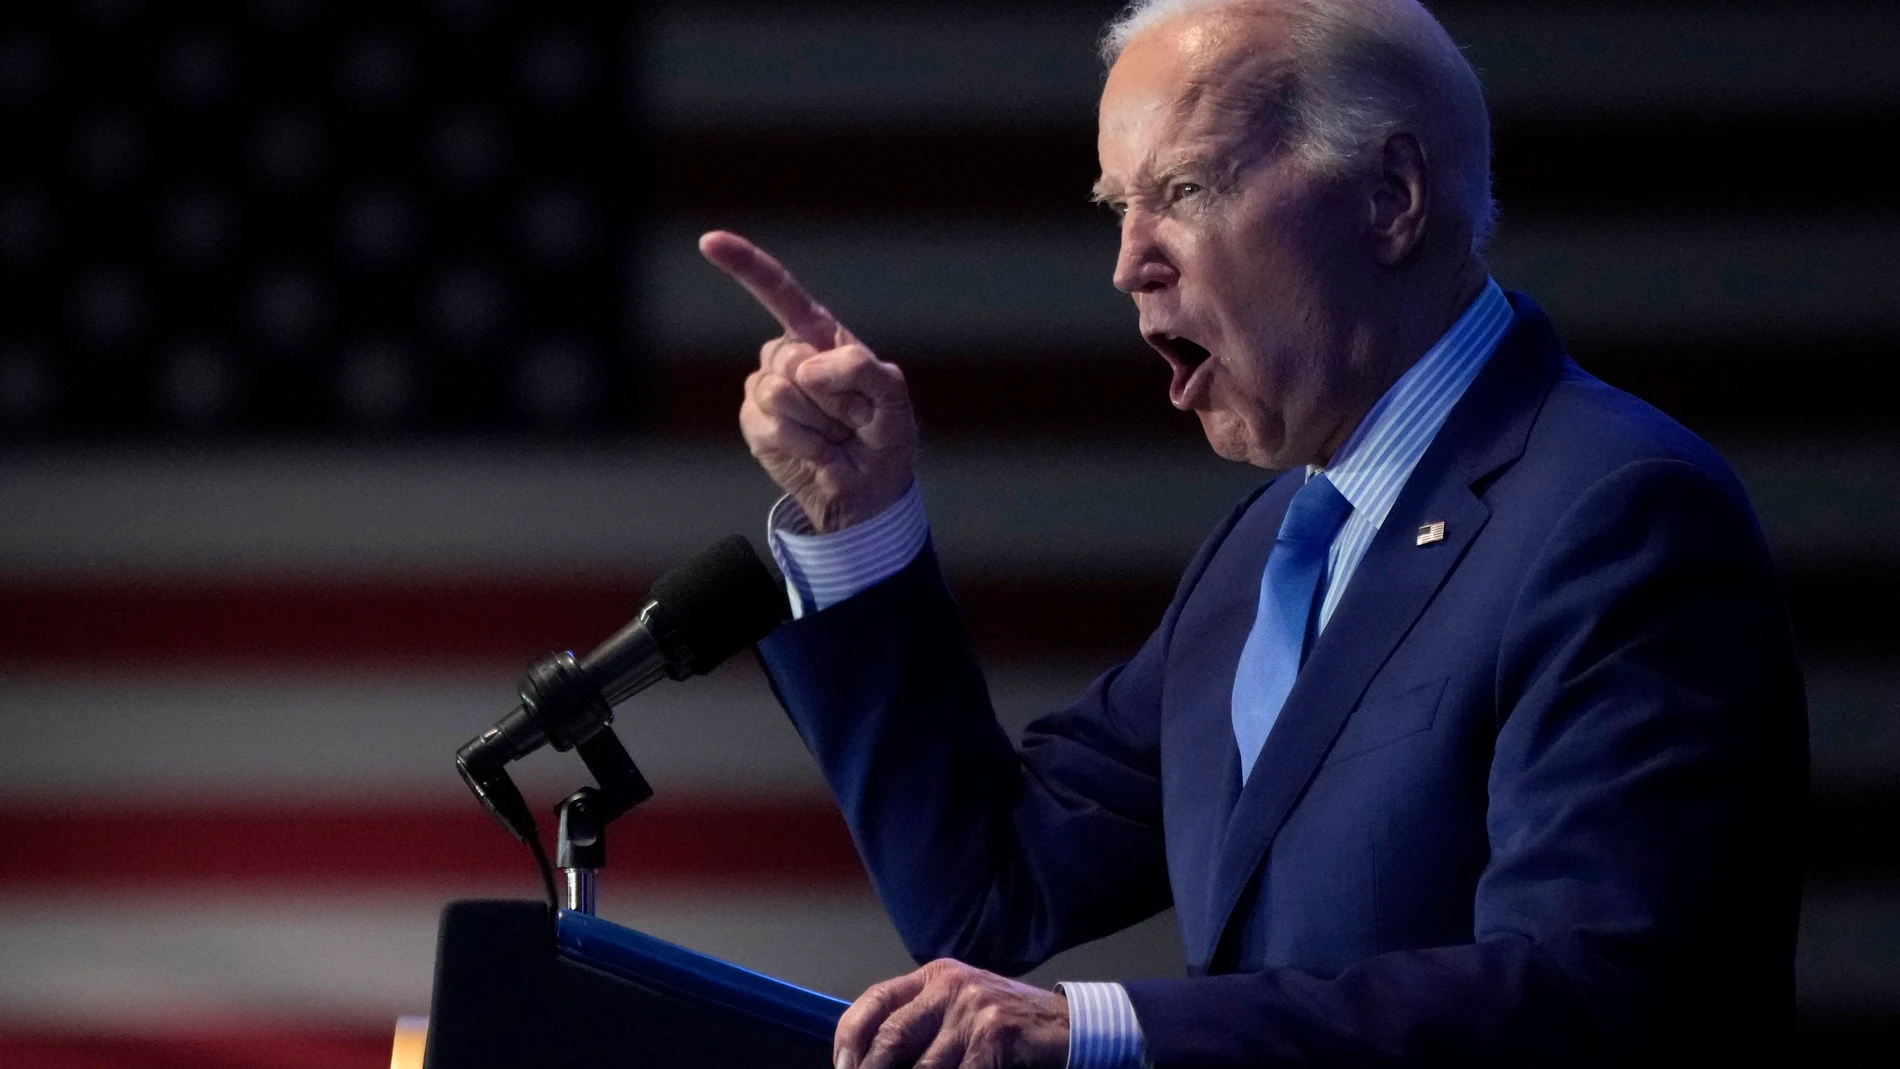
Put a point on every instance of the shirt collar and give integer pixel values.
(1373, 465)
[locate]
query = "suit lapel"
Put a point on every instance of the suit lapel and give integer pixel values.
(1201, 678)
(1391, 588)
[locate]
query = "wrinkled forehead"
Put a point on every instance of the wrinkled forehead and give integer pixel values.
(1191, 86)
(1237, 92)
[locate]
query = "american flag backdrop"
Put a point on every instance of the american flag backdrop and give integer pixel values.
(354, 355)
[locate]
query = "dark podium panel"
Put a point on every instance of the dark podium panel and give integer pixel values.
(516, 990)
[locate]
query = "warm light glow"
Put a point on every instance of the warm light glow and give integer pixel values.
(412, 1034)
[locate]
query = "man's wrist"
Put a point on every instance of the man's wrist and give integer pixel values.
(823, 569)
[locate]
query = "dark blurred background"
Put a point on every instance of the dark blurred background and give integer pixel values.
(352, 354)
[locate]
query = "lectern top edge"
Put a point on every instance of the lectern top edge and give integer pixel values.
(654, 962)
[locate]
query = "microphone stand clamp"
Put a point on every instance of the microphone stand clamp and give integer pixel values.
(561, 707)
(581, 837)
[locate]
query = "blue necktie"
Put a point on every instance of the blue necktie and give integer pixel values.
(1271, 658)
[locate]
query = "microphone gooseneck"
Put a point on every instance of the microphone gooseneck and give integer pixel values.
(700, 613)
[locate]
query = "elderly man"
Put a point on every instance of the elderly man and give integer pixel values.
(1474, 738)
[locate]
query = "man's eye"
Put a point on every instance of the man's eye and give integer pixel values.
(1118, 208)
(1184, 190)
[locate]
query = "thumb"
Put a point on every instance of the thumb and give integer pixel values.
(836, 395)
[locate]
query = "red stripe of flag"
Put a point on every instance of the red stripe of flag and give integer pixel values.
(57, 622)
(287, 1047)
(711, 842)
(54, 623)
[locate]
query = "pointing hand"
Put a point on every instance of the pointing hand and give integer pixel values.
(829, 421)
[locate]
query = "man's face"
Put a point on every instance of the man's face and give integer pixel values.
(1236, 254)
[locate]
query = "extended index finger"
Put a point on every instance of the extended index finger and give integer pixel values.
(771, 285)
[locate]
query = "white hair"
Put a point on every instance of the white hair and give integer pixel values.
(1360, 69)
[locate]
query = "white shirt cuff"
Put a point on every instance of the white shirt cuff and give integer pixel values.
(822, 570)
(1103, 1031)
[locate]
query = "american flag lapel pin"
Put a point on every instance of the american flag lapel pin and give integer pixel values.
(1431, 532)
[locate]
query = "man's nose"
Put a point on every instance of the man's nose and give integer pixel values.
(1142, 265)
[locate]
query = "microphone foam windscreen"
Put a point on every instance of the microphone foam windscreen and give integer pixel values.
(720, 602)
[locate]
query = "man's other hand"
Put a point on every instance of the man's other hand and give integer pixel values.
(828, 420)
(948, 1015)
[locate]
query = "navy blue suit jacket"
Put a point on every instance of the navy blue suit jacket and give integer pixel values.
(1534, 799)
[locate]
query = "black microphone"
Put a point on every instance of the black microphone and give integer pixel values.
(700, 613)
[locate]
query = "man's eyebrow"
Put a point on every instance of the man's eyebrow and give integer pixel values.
(1103, 190)
(1167, 173)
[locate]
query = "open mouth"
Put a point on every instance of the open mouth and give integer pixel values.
(1186, 354)
(1185, 357)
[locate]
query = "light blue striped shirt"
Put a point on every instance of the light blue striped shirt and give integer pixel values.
(1369, 470)
(822, 570)
(1374, 464)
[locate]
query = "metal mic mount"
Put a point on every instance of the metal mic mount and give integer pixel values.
(581, 836)
(560, 703)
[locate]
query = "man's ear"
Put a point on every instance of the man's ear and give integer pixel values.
(1401, 199)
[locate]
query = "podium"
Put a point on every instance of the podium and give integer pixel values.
(516, 988)
(520, 984)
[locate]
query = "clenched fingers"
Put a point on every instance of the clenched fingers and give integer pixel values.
(768, 434)
(856, 388)
(778, 396)
(828, 403)
(782, 357)
(783, 354)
